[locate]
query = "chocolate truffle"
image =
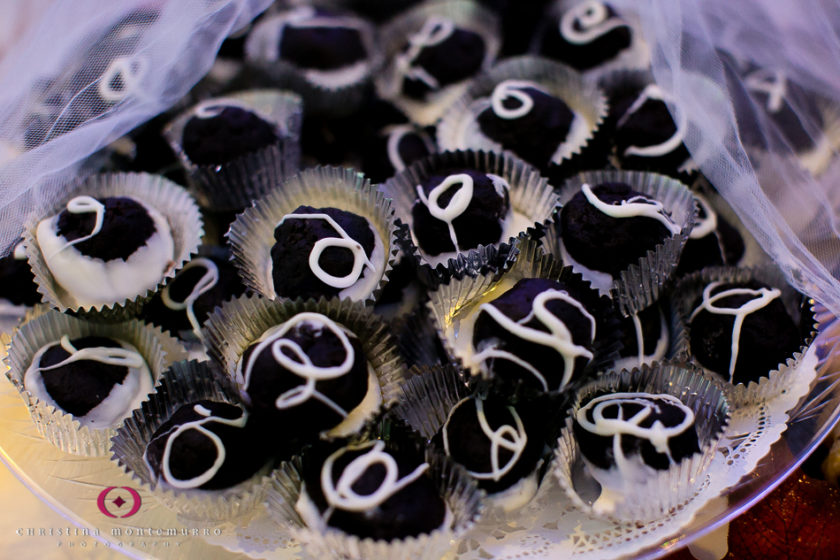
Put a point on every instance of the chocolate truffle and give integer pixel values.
(321, 40)
(218, 133)
(17, 283)
(644, 336)
(712, 242)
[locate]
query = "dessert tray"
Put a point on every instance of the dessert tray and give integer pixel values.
(762, 445)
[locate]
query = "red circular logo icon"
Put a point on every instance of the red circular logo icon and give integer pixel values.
(124, 501)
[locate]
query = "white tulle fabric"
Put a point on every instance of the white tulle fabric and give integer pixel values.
(53, 55)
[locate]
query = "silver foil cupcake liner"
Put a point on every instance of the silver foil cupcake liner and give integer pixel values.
(394, 36)
(532, 202)
(640, 284)
(334, 92)
(454, 307)
(690, 288)
(233, 185)
(185, 382)
(459, 129)
(463, 500)
(173, 202)
(233, 327)
(662, 491)
(57, 426)
(252, 233)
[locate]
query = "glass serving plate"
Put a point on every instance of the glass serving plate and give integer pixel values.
(95, 495)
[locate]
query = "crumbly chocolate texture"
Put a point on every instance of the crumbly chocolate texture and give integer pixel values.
(231, 134)
(415, 509)
(450, 61)
(603, 243)
(294, 240)
(228, 286)
(269, 380)
(126, 227)
(650, 125)
(517, 303)
(194, 453)
(768, 336)
(321, 48)
(480, 224)
(599, 450)
(585, 56)
(536, 135)
(79, 386)
(470, 446)
(651, 320)
(17, 283)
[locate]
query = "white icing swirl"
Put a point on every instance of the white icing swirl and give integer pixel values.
(658, 434)
(770, 82)
(209, 279)
(119, 402)
(634, 207)
(654, 92)
(360, 258)
(435, 30)
(558, 337)
(301, 364)
(512, 438)
(83, 205)
(512, 89)
(341, 495)
(593, 19)
(761, 298)
(457, 204)
(706, 222)
(197, 425)
(127, 70)
(396, 134)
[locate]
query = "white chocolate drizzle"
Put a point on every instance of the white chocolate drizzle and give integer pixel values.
(128, 70)
(653, 91)
(705, 224)
(558, 337)
(511, 438)
(341, 494)
(360, 258)
(634, 207)
(771, 82)
(457, 204)
(301, 364)
(83, 205)
(657, 433)
(104, 354)
(661, 342)
(512, 89)
(197, 425)
(593, 18)
(205, 283)
(434, 31)
(396, 134)
(761, 298)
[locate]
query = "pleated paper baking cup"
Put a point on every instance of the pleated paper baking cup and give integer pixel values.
(252, 233)
(396, 36)
(532, 202)
(184, 383)
(333, 92)
(459, 128)
(237, 324)
(658, 492)
(462, 498)
(173, 202)
(455, 307)
(690, 288)
(640, 284)
(57, 426)
(234, 184)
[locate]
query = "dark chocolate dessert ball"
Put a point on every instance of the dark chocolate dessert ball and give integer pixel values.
(470, 434)
(393, 149)
(609, 243)
(526, 120)
(438, 55)
(588, 34)
(638, 421)
(206, 445)
(17, 283)
(218, 134)
(545, 353)
(321, 43)
(411, 507)
(712, 242)
(307, 372)
(124, 219)
(295, 239)
(648, 325)
(443, 215)
(749, 317)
